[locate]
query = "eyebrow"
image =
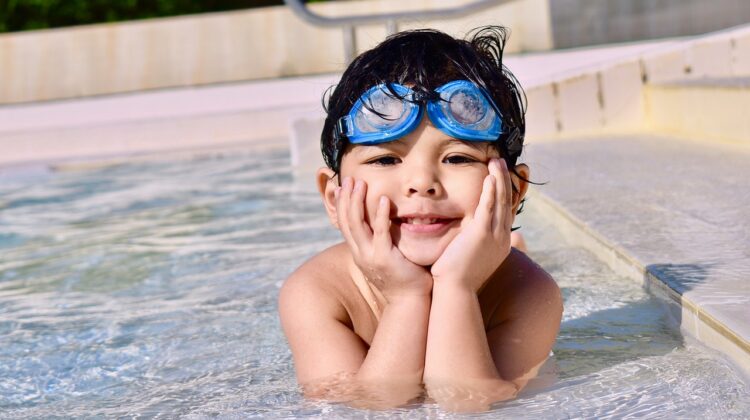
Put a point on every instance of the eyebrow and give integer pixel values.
(399, 143)
(480, 146)
(449, 141)
(472, 144)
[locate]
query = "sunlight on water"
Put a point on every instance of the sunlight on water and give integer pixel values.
(151, 288)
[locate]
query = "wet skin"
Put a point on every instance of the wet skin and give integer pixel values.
(427, 239)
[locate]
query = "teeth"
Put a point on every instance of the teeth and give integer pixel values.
(420, 221)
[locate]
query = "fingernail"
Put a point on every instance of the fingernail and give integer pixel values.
(346, 182)
(336, 192)
(383, 200)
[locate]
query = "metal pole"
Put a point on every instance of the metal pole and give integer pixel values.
(301, 10)
(391, 27)
(350, 43)
(349, 23)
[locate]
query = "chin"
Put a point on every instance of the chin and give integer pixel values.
(423, 257)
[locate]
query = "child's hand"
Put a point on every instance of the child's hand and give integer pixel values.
(372, 248)
(479, 249)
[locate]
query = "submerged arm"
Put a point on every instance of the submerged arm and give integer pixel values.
(468, 367)
(459, 369)
(334, 363)
(390, 371)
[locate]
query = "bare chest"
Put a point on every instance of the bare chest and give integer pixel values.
(365, 307)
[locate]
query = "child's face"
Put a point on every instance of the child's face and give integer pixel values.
(433, 182)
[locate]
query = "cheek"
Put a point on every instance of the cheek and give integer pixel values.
(467, 192)
(372, 200)
(375, 186)
(473, 194)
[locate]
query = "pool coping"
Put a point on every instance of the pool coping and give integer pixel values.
(694, 320)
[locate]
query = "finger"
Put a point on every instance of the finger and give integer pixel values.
(382, 226)
(357, 225)
(498, 213)
(505, 196)
(342, 212)
(498, 217)
(484, 211)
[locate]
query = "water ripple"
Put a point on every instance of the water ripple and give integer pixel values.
(150, 289)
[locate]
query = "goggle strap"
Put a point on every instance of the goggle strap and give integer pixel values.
(430, 96)
(513, 143)
(344, 126)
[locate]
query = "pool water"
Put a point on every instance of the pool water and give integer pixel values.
(150, 288)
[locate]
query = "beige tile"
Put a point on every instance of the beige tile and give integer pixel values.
(542, 114)
(711, 57)
(579, 104)
(622, 93)
(666, 65)
(741, 54)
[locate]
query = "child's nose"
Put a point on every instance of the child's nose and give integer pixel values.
(422, 182)
(428, 191)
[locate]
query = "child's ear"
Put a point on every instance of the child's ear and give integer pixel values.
(521, 186)
(327, 184)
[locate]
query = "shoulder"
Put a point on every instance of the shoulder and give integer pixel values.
(315, 320)
(527, 291)
(315, 287)
(534, 283)
(524, 327)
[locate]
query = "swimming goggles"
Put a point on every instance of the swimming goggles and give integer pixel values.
(459, 108)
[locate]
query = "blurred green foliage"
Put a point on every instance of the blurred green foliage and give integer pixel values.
(21, 15)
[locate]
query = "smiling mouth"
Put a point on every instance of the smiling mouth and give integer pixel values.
(424, 224)
(420, 220)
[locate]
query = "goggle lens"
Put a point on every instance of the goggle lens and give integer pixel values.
(466, 107)
(382, 112)
(461, 111)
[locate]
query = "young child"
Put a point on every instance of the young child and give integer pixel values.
(421, 140)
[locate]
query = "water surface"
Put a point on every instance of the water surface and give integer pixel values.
(150, 288)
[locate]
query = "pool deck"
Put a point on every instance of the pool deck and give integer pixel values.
(157, 121)
(215, 115)
(671, 213)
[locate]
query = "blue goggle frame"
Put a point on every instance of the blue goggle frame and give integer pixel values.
(459, 108)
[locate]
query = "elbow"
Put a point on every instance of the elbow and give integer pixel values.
(379, 393)
(359, 392)
(470, 395)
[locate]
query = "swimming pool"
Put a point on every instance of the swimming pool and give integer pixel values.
(150, 288)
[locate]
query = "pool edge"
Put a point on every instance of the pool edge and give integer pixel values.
(695, 321)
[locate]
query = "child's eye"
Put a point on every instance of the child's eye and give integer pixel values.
(459, 159)
(384, 161)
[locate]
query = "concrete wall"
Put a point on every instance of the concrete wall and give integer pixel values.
(645, 91)
(587, 22)
(222, 47)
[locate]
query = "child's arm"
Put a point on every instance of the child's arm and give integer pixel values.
(332, 362)
(468, 368)
(323, 346)
(463, 363)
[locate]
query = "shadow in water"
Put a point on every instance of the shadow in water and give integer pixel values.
(680, 278)
(629, 331)
(643, 328)
(613, 336)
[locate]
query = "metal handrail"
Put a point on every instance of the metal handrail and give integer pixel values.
(390, 19)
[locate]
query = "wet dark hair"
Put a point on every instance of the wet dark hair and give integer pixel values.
(426, 59)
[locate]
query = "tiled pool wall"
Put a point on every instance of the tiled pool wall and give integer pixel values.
(689, 316)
